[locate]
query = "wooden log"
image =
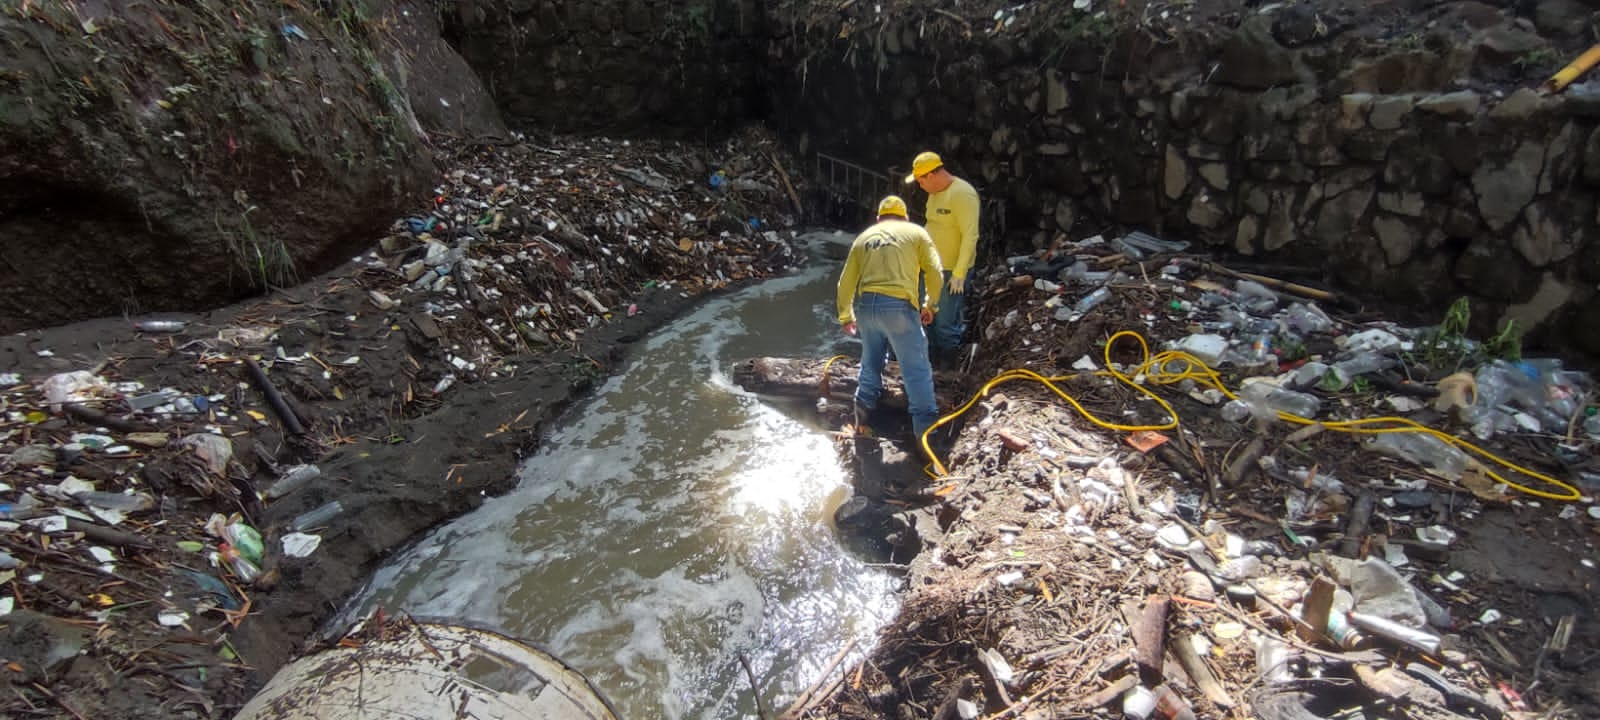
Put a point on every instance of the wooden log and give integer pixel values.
(948, 709)
(1149, 637)
(1355, 533)
(810, 379)
(1199, 671)
(291, 422)
(1111, 693)
(1246, 460)
(1318, 605)
(109, 536)
(95, 417)
(1283, 285)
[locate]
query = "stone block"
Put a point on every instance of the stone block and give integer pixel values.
(1504, 189)
(1459, 105)
(1389, 112)
(1397, 238)
(1175, 177)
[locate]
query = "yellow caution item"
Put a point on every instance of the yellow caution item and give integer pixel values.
(1174, 366)
(1562, 79)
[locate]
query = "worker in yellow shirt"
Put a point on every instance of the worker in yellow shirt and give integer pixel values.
(880, 297)
(952, 221)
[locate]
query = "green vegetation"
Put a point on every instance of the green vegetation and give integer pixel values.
(265, 262)
(1535, 59)
(1447, 347)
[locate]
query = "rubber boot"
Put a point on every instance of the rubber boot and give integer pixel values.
(863, 418)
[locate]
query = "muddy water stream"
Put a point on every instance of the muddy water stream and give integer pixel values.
(671, 523)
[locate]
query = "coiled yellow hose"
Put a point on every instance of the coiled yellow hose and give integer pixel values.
(1173, 366)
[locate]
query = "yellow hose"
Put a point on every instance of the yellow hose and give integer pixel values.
(1175, 366)
(1566, 75)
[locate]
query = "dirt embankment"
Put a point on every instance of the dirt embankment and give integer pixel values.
(418, 374)
(170, 156)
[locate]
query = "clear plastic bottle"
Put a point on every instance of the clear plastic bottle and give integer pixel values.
(1236, 411)
(293, 480)
(317, 516)
(244, 569)
(1364, 363)
(1090, 301)
(1281, 400)
(23, 508)
(1423, 449)
(245, 540)
(1170, 705)
(125, 502)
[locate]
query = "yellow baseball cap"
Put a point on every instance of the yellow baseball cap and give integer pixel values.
(925, 163)
(892, 205)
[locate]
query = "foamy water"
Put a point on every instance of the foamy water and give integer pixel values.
(671, 523)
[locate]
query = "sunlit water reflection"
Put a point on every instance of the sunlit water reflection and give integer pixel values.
(671, 523)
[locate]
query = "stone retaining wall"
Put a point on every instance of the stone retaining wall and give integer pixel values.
(1406, 174)
(1392, 149)
(624, 66)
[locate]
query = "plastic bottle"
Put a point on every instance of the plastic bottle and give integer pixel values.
(1170, 705)
(1272, 660)
(23, 508)
(125, 502)
(1364, 363)
(245, 540)
(244, 569)
(1281, 400)
(317, 516)
(1307, 319)
(1088, 302)
(293, 480)
(1043, 285)
(160, 326)
(1138, 703)
(1423, 449)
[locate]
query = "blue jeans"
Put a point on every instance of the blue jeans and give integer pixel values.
(886, 322)
(945, 332)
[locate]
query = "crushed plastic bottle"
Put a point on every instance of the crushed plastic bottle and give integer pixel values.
(1272, 660)
(293, 480)
(1170, 705)
(1090, 301)
(160, 326)
(1281, 400)
(123, 502)
(1236, 411)
(317, 516)
(245, 570)
(23, 508)
(1423, 449)
(1365, 363)
(1306, 319)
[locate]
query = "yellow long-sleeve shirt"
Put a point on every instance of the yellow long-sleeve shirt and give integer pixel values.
(952, 217)
(889, 258)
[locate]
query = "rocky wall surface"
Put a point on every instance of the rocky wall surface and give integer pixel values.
(644, 67)
(1402, 154)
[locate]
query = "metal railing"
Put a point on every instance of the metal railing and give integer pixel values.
(848, 184)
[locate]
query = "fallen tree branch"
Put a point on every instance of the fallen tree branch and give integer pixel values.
(291, 422)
